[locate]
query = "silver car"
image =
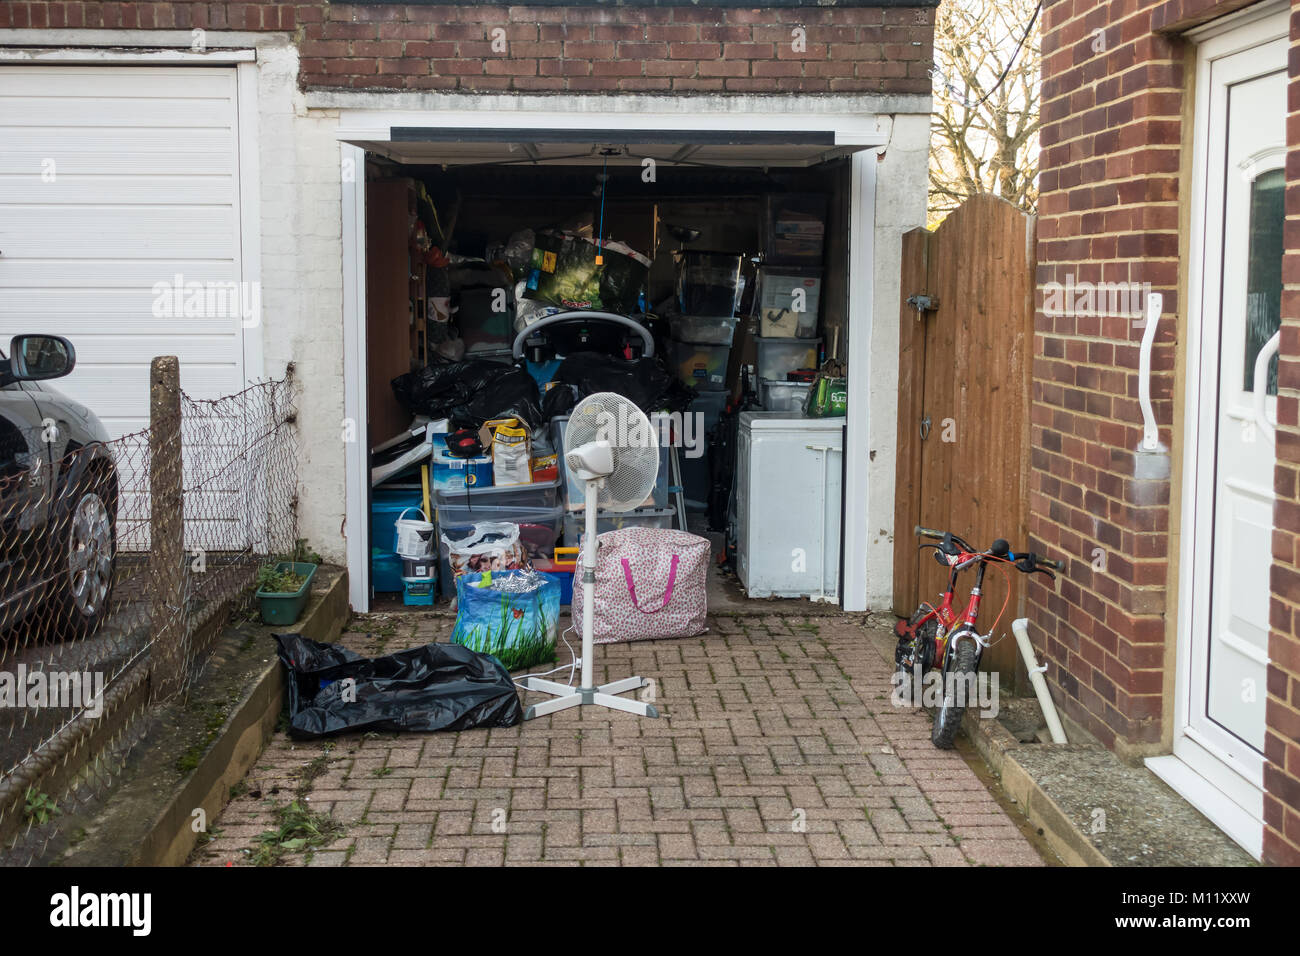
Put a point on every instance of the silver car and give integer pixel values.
(58, 498)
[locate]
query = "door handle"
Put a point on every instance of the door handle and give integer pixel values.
(1260, 392)
(925, 428)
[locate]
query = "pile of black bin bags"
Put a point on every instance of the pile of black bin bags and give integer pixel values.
(434, 687)
(474, 391)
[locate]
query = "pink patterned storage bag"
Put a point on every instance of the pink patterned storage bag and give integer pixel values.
(650, 583)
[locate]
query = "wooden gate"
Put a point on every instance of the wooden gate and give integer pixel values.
(963, 402)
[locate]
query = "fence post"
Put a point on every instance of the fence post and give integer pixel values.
(166, 528)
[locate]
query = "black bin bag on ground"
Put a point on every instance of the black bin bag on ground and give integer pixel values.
(434, 687)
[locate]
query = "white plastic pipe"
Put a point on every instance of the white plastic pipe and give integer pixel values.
(1020, 628)
(1150, 431)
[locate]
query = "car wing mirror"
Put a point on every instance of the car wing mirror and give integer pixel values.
(33, 358)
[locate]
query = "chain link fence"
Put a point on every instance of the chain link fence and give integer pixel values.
(120, 564)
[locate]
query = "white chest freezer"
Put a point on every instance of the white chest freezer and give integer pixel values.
(789, 502)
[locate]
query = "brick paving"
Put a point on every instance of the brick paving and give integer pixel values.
(779, 746)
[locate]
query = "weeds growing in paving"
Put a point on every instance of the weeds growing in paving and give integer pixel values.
(300, 828)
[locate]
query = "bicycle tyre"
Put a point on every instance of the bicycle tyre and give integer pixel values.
(964, 659)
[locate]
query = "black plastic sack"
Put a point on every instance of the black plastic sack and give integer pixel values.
(436, 389)
(513, 395)
(434, 687)
(643, 380)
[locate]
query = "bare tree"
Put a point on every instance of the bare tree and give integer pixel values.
(984, 130)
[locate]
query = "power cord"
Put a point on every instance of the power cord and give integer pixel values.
(574, 661)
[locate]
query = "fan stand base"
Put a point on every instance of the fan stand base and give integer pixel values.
(601, 696)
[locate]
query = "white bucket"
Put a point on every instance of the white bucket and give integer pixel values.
(414, 538)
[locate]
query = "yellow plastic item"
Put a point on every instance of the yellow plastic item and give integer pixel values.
(424, 482)
(573, 560)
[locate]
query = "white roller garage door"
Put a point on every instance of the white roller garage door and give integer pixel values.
(117, 184)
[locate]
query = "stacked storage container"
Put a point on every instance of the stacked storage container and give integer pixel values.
(654, 512)
(534, 507)
(788, 299)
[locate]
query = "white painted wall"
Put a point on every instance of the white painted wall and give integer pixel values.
(302, 283)
(901, 185)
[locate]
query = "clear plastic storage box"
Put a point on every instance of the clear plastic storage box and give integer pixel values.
(776, 357)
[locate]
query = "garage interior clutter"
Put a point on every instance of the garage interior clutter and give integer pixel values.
(499, 295)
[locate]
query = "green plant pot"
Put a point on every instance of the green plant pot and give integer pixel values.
(285, 609)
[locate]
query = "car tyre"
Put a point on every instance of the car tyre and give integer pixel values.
(85, 547)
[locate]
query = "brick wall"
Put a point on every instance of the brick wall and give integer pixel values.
(552, 49)
(1282, 745)
(1113, 97)
(1108, 212)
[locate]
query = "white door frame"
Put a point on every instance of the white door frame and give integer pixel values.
(1226, 788)
(532, 113)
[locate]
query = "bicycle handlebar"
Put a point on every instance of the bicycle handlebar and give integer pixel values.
(1025, 561)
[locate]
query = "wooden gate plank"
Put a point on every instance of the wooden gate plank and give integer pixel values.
(975, 390)
(911, 382)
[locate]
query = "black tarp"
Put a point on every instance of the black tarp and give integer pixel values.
(434, 687)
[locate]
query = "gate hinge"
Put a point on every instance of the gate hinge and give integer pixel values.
(923, 303)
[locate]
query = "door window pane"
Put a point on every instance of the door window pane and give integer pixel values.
(1264, 271)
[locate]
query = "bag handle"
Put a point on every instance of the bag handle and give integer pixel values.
(631, 588)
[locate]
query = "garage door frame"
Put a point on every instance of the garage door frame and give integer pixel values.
(372, 126)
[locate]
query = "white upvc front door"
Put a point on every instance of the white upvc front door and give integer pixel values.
(1233, 314)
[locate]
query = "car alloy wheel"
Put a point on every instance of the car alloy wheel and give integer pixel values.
(90, 554)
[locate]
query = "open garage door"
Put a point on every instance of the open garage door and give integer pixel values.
(454, 140)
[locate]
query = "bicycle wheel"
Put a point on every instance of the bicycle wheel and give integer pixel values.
(959, 667)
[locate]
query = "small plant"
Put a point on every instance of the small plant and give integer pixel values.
(276, 581)
(381, 772)
(302, 552)
(300, 828)
(39, 807)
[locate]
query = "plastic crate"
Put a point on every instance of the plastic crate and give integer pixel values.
(699, 365)
(776, 357)
(795, 228)
(576, 524)
(780, 292)
(708, 283)
(385, 571)
(494, 499)
(539, 528)
(703, 329)
(784, 396)
(386, 505)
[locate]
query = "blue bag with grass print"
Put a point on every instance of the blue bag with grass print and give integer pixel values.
(512, 615)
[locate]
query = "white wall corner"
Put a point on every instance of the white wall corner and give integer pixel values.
(901, 194)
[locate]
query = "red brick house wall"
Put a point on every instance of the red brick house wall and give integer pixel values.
(1115, 87)
(1282, 745)
(552, 49)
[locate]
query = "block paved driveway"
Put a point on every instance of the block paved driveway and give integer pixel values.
(779, 747)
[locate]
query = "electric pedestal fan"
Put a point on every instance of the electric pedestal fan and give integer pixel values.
(610, 446)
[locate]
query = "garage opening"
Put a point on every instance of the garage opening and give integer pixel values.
(705, 276)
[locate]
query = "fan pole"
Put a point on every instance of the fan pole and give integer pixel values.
(592, 492)
(606, 695)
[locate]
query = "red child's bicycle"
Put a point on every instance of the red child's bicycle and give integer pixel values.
(936, 637)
